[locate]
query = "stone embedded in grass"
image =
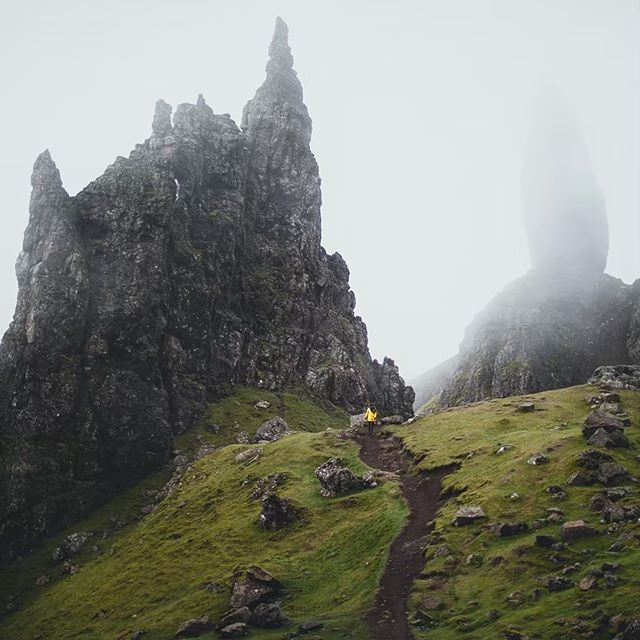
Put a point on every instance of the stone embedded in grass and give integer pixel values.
(268, 615)
(261, 404)
(582, 479)
(556, 492)
(241, 614)
(272, 430)
(235, 630)
(538, 458)
(556, 583)
(242, 437)
(70, 546)
(504, 530)
(267, 485)
(257, 586)
(576, 529)
(431, 603)
(336, 479)
(468, 515)
(248, 456)
(592, 459)
(309, 625)
(526, 407)
(213, 427)
(392, 420)
(475, 560)
(194, 627)
(276, 513)
(588, 582)
(546, 542)
(204, 450)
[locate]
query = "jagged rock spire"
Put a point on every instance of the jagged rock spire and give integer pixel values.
(161, 118)
(45, 173)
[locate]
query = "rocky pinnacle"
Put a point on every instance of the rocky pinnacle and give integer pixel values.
(189, 267)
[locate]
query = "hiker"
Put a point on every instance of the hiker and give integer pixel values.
(371, 415)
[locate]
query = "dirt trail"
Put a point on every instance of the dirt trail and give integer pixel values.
(388, 619)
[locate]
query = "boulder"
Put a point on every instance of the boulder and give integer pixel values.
(267, 485)
(262, 404)
(268, 615)
(612, 440)
(272, 430)
(510, 529)
(526, 407)
(276, 513)
(336, 479)
(612, 512)
(357, 421)
(582, 479)
(601, 420)
(612, 473)
(249, 592)
(537, 459)
(242, 437)
(631, 631)
(546, 542)
(624, 376)
(263, 576)
(194, 627)
(241, 614)
(235, 630)
(397, 419)
(309, 625)
(468, 515)
(592, 459)
(576, 529)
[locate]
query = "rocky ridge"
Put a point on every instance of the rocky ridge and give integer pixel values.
(193, 265)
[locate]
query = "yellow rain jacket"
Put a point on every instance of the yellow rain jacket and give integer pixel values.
(369, 415)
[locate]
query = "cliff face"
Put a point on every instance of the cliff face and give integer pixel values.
(193, 265)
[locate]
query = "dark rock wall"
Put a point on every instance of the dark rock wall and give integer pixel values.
(193, 265)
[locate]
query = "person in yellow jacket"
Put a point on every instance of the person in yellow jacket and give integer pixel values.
(371, 415)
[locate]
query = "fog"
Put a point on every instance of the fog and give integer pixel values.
(422, 114)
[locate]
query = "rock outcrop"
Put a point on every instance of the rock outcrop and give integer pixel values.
(553, 327)
(193, 265)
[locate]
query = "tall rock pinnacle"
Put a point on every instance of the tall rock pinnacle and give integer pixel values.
(564, 207)
(191, 266)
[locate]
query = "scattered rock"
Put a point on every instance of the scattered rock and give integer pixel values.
(70, 546)
(268, 615)
(588, 582)
(576, 529)
(242, 437)
(336, 479)
(310, 625)
(431, 603)
(556, 583)
(538, 458)
(526, 407)
(612, 473)
(194, 627)
(625, 376)
(601, 420)
(546, 542)
(204, 450)
(248, 456)
(272, 430)
(582, 479)
(612, 440)
(254, 588)
(241, 614)
(276, 513)
(235, 630)
(475, 560)
(556, 492)
(262, 404)
(267, 485)
(592, 459)
(510, 529)
(468, 515)
(41, 580)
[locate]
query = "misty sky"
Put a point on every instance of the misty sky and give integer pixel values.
(421, 113)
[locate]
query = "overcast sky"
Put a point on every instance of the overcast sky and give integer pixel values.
(421, 112)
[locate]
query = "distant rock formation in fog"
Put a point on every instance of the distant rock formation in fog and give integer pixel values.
(555, 325)
(564, 208)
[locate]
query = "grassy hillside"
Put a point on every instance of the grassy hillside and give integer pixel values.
(496, 592)
(151, 574)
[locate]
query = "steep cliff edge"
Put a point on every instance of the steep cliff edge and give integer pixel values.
(193, 265)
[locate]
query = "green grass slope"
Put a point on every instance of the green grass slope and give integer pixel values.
(505, 582)
(150, 574)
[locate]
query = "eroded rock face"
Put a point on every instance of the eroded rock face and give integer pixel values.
(190, 266)
(544, 331)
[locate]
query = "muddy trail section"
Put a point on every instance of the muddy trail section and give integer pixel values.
(388, 618)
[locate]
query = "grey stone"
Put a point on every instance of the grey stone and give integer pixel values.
(272, 430)
(268, 615)
(576, 529)
(276, 513)
(625, 376)
(468, 515)
(336, 479)
(194, 627)
(537, 459)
